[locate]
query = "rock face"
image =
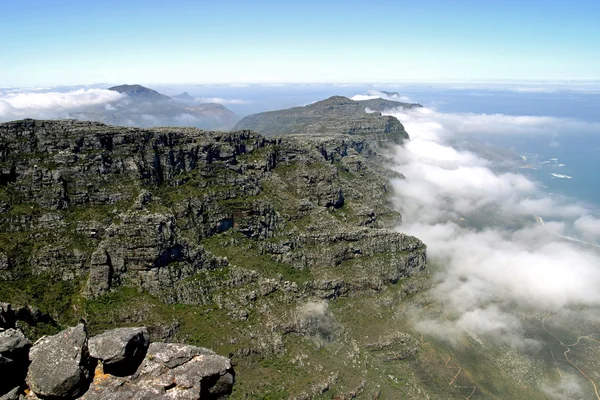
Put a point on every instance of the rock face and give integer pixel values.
(60, 365)
(170, 371)
(122, 205)
(336, 115)
(121, 350)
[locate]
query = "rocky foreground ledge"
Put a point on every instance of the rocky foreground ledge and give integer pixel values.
(117, 364)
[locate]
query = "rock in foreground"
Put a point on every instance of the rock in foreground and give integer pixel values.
(127, 367)
(169, 371)
(60, 364)
(120, 350)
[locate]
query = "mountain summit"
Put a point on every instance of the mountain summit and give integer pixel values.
(140, 92)
(335, 115)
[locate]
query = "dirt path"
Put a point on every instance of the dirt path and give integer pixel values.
(566, 353)
(456, 376)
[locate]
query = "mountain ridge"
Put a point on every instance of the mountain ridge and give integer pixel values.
(335, 115)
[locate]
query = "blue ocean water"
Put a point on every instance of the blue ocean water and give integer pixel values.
(559, 154)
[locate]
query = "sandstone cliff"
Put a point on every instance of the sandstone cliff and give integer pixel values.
(233, 241)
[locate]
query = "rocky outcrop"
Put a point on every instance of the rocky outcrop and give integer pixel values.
(121, 350)
(169, 371)
(128, 367)
(60, 365)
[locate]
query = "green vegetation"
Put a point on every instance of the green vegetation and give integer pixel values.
(245, 253)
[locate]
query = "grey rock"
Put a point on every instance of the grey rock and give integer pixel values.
(14, 348)
(170, 371)
(60, 364)
(397, 346)
(13, 394)
(121, 350)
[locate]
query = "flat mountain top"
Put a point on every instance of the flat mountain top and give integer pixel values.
(335, 115)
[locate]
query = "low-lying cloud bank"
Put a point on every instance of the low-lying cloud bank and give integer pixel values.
(376, 94)
(500, 242)
(33, 104)
(220, 100)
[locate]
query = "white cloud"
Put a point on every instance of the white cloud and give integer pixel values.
(376, 94)
(588, 227)
(480, 229)
(221, 100)
(480, 124)
(32, 104)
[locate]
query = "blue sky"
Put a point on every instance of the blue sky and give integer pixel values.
(81, 42)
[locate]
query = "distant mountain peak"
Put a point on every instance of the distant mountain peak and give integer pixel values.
(185, 96)
(140, 92)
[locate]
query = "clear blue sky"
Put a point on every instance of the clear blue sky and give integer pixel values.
(52, 42)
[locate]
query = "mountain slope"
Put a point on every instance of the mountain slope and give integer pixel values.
(229, 240)
(335, 115)
(140, 93)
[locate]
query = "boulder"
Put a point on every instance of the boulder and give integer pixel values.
(120, 350)
(169, 371)
(14, 347)
(60, 364)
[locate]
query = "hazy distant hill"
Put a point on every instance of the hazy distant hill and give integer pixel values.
(144, 107)
(139, 92)
(183, 97)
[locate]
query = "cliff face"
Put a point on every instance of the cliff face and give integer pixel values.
(252, 236)
(118, 205)
(335, 115)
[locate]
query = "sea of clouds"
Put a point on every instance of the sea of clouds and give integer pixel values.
(52, 104)
(486, 272)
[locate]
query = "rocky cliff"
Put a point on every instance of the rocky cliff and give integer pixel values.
(233, 241)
